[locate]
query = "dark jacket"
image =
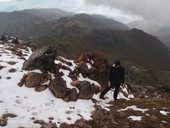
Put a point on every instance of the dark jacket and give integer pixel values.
(116, 76)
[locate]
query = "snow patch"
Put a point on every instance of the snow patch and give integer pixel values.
(133, 107)
(164, 112)
(135, 118)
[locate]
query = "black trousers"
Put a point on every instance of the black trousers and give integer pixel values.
(116, 86)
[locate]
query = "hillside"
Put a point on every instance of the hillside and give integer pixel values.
(95, 32)
(32, 95)
(52, 14)
(131, 46)
(18, 23)
(92, 22)
(35, 95)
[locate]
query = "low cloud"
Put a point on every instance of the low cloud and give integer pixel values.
(6, 0)
(19, 0)
(153, 12)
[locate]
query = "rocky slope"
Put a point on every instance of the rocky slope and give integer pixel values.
(48, 96)
(40, 89)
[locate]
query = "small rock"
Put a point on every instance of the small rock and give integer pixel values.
(75, 83)
(12, 70)
(32, 118)
(11, 115)
(4, 118)
(11, 62)
(68, 118)
(51, 118)
(40, 88)
(1, 67)
(3, 122)
(8, 78)
(153, 118)
(121, 115)
(18, 101)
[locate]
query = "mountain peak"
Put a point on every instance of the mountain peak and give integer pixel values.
(49, 14)
(95, 22)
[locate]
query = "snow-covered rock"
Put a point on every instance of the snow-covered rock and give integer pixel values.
(29, 105)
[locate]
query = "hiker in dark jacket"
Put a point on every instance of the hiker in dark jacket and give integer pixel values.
(116, 78)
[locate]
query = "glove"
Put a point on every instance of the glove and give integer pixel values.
(109, 84)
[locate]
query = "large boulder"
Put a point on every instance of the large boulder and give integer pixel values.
(42, 59)
(58, 87)
(86, 89)
(33, 79)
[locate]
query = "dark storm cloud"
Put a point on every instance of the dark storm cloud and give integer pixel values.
(153, 12)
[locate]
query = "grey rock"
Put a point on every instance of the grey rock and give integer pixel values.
(86, 89)
(58, 87)
(42, 59)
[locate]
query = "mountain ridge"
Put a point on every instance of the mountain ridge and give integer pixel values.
(48, 14)
(95, 32)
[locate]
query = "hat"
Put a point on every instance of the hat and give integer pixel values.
(117, 62)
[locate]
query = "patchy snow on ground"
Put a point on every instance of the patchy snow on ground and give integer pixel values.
(133, 107)
(109, 97)
(124, 94)
(28, 104)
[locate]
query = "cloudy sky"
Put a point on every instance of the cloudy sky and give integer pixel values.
(145, 14)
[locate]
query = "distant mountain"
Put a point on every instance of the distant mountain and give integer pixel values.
(93, 22)
(30, 23)
(48, 14)
(74, 34)
(131, 46)
(22, 25)
(164, 35)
